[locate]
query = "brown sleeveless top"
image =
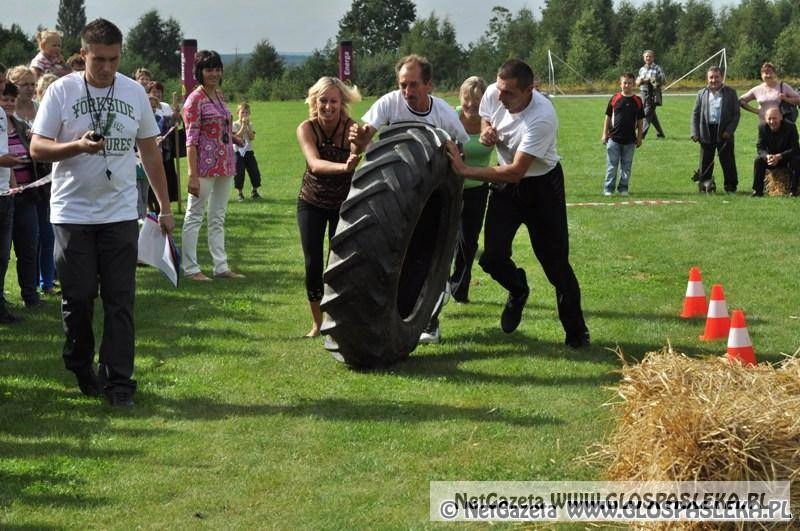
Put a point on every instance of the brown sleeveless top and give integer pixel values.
(328, 191)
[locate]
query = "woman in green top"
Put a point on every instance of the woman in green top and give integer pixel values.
(475, 192)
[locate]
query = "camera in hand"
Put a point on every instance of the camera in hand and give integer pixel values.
(96, 137)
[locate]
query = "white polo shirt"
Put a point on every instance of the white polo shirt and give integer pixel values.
(392, 108)
(532, 130)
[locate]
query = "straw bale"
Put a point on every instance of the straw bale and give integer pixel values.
(688, 419)
(776, 181)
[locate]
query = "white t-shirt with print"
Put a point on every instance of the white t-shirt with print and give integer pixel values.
(5, 173)
(532, 130)
(82, 193)
(392, 108)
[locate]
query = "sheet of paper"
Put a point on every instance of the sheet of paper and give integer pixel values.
(158, 250)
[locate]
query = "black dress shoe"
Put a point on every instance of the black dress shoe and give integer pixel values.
(757, 194)
(512, 313)
(119, 398)
(88, 383)
(579, 341)
(7, 317)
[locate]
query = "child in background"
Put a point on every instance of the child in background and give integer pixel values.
(245, 156)
(622, 134)
(142, 185)
(49, 58)
(41, 85)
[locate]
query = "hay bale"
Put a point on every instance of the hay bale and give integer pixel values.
(776, 181)
(686, 419)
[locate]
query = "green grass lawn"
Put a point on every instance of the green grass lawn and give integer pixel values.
(241, 423)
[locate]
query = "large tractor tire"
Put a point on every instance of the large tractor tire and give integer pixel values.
(394, 243)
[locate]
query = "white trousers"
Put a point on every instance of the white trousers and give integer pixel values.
(214, 192)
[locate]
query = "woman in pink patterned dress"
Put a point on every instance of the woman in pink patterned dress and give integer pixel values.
(209, 152)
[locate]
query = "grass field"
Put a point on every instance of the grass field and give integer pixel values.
(241, 423)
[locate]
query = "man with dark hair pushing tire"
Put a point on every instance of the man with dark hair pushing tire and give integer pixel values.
(412, 101)
(522, 124)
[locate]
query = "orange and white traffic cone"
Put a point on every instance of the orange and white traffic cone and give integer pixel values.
(694, 303)
(740, 348)
(717, 323)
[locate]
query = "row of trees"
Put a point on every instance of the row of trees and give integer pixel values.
(594, 38)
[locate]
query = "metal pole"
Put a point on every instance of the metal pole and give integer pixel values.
(177, 150)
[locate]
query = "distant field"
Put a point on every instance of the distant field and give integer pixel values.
(242, 423)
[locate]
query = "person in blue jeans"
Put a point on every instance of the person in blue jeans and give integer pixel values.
(622, 134)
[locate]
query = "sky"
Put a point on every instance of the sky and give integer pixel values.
(290, 25)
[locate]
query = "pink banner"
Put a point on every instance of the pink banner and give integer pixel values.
(346, 61)
(188, 49)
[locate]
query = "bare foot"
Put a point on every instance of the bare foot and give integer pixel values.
(314, 332)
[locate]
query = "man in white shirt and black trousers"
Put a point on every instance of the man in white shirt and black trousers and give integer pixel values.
(522, 124)
(87, 125)
(413, 102)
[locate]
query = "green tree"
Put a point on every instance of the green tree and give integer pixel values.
(264, 63)
(698, 37)
(755, 25)
(15, 47)
(436, 40)
(376, 75)
(787, 50)
(157, 41)
(507, 37)
(376, 25)
(70, 22)
(588, 53)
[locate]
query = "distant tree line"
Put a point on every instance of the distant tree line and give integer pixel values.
(597, 40)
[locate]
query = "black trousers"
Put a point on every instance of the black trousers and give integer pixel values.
(650, 116)
(760, 171)
(727, 159)
(312, 222)
(472, 215)
(538, 203)
(88, 257)
(249, 163)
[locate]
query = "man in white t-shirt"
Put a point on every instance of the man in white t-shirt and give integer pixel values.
(87, 125)
(522, 124)
(412, 102)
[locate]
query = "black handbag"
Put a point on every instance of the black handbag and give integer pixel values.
(788, 110)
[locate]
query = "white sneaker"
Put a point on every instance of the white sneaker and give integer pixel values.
(607, 194)
(430, 336)
(624, 194)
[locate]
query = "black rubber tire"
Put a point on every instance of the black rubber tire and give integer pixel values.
(394, 243)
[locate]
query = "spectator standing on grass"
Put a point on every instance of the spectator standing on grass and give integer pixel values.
(622, 134)
(522, 124)
(475, 194)
(49, 58)
(412, 102)
(87, 125)
(167, 118)
(25, 80)
(76, 62)
(143, 76)
(777, 148)
(650, 80)
(769, 94)
(209, 153)
(331, 159)
(41, 85)
(25, 234)
(714, 121)
(245, 156)
(6, 207)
